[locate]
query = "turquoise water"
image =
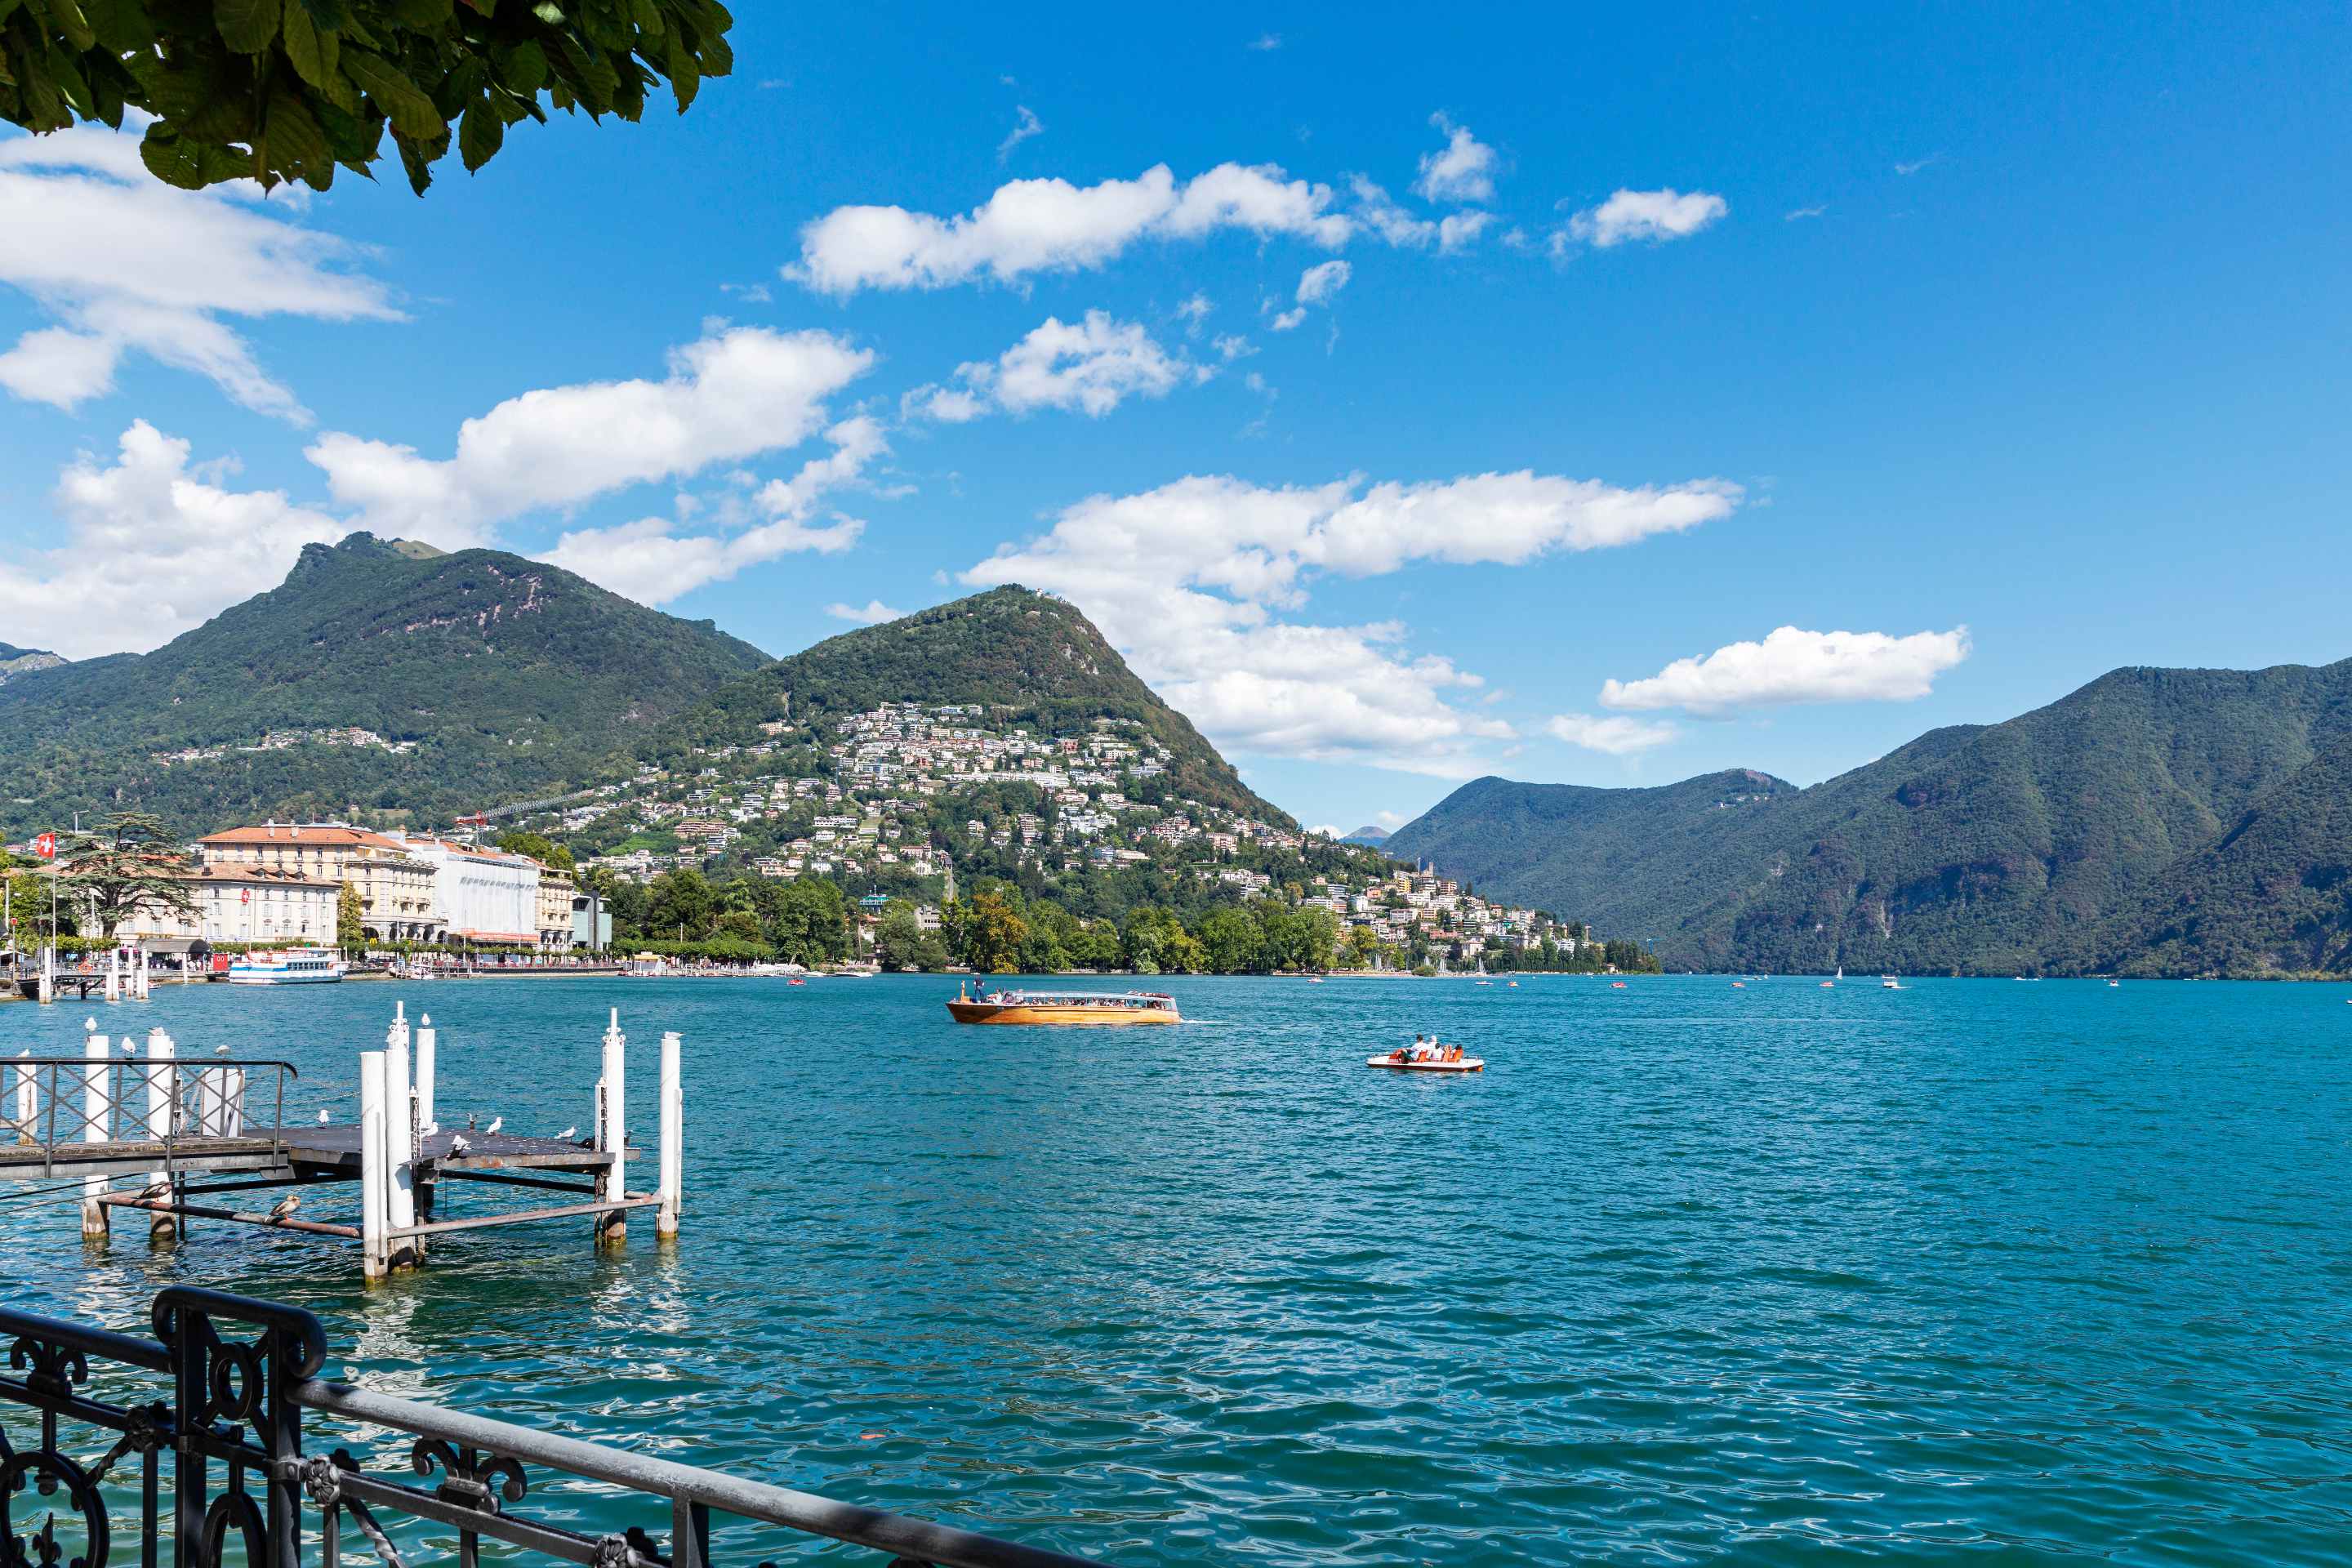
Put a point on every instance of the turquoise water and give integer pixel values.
(1690, 1272)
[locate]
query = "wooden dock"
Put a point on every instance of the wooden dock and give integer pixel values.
(181, 1132)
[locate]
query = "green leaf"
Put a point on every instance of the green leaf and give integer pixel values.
(685, 72)
(481, 136)
(66, 16)
(121, 25)
(649, 15)
(171, 158)
(411, 110)
(247, 26)
(314, 52)
(523, 69)
(295, 135)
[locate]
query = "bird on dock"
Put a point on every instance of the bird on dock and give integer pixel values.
(457, 1144)
(470, 1121)
(130, 1046)
(283, 1209)
(496, 1123)
(569, 1133)
(221, 1050)
(325, 1118)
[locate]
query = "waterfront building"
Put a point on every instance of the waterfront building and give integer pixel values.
(247, 904)
(555, 905)
(395, 886)
(482, 895)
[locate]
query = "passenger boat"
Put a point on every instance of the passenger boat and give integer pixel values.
(292, 966)
(1444, 1059)
(1063, 1008)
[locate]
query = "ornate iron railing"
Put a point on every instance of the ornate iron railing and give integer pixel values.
(232, 1431)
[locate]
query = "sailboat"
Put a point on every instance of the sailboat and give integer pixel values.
(1832, 980)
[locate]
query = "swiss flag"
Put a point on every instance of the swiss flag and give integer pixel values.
(46, 846)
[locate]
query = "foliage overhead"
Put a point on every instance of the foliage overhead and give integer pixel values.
(502, 676)
(288, 90)
(2084, 836)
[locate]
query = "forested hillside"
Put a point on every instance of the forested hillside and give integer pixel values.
(2002, 848)
(15, 661)
(1024, 657)
(379, 675)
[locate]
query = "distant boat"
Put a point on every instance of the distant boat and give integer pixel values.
(2111, 984)
(1834, 979)
(1063, 1008)
(1888, 983)
(1740, 985)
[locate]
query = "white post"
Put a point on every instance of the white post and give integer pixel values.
(160, 1053)
(26, 1102)
(113, 974)
(46, 989)
(140, 977)
(373, 1262)
(95, 1122)
(427, 1040)
(673, 1127)
(399, 1132)
(611, 1139)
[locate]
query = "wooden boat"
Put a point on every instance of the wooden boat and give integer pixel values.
(1063, 1007)
(1449, 1060)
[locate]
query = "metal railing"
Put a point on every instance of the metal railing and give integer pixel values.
(61, 1105)
(239, 1404)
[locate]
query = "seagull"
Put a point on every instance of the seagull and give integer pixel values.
(130, 1046)
(569, 1133)
(323, 1119)
(220, 1050)
(470, 1121)
(457, 1144)
(496, 1123)
(283, 1209)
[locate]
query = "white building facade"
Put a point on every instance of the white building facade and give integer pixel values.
(482, 895)
(249, 904)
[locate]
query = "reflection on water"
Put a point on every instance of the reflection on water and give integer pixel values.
(1689, 1272)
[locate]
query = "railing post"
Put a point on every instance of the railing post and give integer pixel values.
(113, 988)
(611, 1139)
(373, 1260)
(95, 1125)
(160, 1050)
(399, 1137)
(673, 1127)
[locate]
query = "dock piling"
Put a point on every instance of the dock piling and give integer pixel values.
(673, 1125)
(374, 1254)
(96, 1126)
(428, 1043)
(612, 1227)
(160, 1051)
(399, 1137)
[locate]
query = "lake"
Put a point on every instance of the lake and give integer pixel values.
(1689, 1272)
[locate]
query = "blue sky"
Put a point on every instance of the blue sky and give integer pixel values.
(1387, 386)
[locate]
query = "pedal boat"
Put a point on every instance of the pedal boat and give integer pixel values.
(1400, 1059)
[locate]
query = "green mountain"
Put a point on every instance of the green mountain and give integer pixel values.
(15, 661)
(2032, 845)
(1024, 656)
(478, 676)
(2273, 895)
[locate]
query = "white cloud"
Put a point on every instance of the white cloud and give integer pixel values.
(1795, 665)
(1187, 579)
(733, 394)
(1795, 215)
(1050, 225)
(125, 264)
(1317, 285)
(1264, 43)
(872, 614)
(1908, 169)
(1457, 230)
(1377, 212)
(1230, 346)
(650, 561)
(1194, 312)
(1655, 215)
(1463, 171)
(151, 547)
(1091, 365)
(1390, 819)
(1023, 128)
(1618, 736)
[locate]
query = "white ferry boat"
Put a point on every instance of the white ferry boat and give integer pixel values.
(293, 966)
